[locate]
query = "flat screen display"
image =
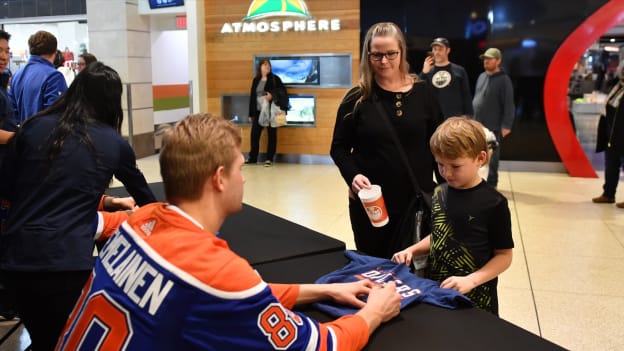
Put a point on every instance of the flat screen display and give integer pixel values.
(159, 4)
(294, 70)
(302, 110)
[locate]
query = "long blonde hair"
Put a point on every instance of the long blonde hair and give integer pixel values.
(382, 29)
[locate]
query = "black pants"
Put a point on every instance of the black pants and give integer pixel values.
(613, 163)
(44, 301)
(256, 131)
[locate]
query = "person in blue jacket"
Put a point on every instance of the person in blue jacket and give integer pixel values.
(55, 171)
(37, 85)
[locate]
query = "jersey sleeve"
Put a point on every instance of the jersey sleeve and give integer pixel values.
(286, 294)
(108, 223)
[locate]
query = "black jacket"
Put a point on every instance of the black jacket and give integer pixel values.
(273, 85)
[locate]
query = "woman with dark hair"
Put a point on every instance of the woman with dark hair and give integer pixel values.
(84, 60)
(261, 87)
(57, 168)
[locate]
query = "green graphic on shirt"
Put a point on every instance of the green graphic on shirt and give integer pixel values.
(449, 257)
(270, 8)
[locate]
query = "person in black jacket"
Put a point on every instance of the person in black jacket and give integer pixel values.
(263, 86)
(363, 148)
(613, 141)
(55, 171)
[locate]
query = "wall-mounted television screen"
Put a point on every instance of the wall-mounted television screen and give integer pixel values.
(302, 110)
(158, 4)
(294, 70)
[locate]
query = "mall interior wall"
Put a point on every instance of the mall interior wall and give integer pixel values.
(230, 65)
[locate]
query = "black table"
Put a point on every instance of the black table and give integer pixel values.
(261, 237)
(419, 326)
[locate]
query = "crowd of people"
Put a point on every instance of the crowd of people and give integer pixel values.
(62, 146)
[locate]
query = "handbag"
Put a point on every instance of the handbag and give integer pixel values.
(277, 116)
(280, 119)
(420, 206)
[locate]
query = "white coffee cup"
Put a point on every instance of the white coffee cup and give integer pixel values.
(373, 202)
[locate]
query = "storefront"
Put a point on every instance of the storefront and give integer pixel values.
(71, 33)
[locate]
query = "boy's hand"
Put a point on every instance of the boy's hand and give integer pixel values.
(404, 256)
(463, 285)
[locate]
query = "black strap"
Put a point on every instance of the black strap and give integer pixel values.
(395, 138)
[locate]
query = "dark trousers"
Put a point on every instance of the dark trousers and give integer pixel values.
(613, 162)
(44, 301)
(494, 161)
(256, 131)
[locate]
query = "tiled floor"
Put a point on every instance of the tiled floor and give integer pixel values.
(566, 282)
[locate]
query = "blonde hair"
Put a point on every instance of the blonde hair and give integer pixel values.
(193, 150)
(383, 29)
(458, 137)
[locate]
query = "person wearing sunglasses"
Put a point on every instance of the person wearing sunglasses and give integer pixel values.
(388, 103)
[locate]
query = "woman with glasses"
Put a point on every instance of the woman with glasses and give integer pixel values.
(84, 60)
(388, 103)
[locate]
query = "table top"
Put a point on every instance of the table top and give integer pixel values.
(419, 326)
(261, 237)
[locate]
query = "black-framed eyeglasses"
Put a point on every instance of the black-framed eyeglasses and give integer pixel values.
(378, 56)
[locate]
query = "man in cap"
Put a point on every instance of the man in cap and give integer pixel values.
(449, 80)
(494, 104)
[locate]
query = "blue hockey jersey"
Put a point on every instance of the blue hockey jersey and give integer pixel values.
(379, 270)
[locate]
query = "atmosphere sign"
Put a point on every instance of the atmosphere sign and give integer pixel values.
(293, 15)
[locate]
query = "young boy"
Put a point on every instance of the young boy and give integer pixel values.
(470, 243)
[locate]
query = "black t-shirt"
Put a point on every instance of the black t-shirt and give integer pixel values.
(468, 225)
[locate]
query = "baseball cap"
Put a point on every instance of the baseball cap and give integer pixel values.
(440, 41)
(491, 53)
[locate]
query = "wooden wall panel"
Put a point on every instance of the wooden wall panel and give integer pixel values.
(229, 65)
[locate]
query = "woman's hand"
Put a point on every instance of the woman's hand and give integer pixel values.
(360, 182)
(268, 96)
(122, 203)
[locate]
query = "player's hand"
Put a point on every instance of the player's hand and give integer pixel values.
(360, 182)
(404, 256)
(347, 293)
(463, 285)
(384, 301)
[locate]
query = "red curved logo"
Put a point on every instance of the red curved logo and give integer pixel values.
(556, 86)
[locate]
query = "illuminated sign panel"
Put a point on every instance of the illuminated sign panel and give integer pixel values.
(260, 10)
